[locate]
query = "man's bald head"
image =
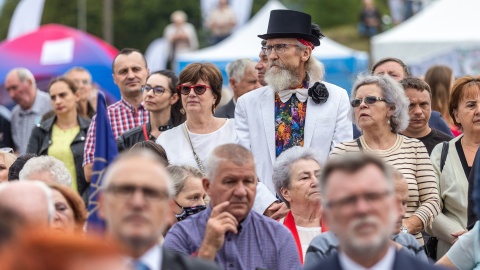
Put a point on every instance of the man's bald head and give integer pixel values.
(32, 200)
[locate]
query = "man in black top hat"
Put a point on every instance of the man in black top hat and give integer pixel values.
(296, 108)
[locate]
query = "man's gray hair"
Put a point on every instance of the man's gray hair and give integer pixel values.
(78, 69)
(41, 164)
(314, 68)
(25, 74)
(47, 191)
(179, 175)
(135, 154)
(227, 152)
(282, 170)
(236, 69)
(394, 96)
(352, 163)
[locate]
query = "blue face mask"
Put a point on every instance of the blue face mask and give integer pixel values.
(188, 211)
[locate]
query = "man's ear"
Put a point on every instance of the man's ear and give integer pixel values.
(306, 54)
(233, 83)
(206, 185)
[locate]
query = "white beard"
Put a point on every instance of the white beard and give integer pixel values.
(281, 77)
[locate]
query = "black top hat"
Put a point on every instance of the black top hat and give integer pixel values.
(290, 24)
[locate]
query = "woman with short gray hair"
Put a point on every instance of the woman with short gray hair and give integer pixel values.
(380, 110)
(295, 180)
(189, 191)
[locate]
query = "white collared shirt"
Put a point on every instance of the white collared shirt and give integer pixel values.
(385, 263)
(152, 258)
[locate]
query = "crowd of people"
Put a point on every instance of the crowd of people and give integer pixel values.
(291, 173)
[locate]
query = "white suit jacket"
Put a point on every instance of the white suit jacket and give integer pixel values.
(325, 125)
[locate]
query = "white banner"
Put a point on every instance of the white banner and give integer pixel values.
(26, 18)
(242, 9)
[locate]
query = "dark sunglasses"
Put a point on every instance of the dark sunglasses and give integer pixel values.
(157, 90)
(199, 89)
(368, 100)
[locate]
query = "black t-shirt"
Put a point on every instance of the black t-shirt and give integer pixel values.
(433, 138)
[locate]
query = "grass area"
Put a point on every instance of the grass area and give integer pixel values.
(348, 36)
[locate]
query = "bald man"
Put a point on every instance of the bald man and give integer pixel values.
(30, 199)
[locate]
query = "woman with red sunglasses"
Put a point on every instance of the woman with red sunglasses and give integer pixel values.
(380, 109)
(200, 86)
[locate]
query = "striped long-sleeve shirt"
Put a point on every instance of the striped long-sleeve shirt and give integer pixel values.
(410, 157)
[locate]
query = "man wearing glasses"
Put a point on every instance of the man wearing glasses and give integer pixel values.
(361, 210)
(297, 108)
(135, 204)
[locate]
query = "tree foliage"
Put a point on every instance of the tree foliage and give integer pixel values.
(137, 23)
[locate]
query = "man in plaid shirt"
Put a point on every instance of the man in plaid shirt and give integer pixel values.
(130, 72)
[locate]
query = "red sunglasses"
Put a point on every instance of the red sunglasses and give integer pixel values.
(199, 89)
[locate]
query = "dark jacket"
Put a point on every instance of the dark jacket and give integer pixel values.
(132, 136)
(5, 133)
(402, 261)
(172, 260)
(226, 111)
(41, 139)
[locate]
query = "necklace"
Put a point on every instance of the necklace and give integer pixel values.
(468, 148)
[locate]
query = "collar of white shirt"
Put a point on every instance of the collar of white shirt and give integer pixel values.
(285, 95)
(152, 258)
(384, 264)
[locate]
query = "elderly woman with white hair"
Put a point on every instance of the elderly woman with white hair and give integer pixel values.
(46, 169)
(295, 180)
(380, 110)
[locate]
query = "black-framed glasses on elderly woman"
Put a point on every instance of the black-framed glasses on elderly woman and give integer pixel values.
(368, 100)
(199, 89)
(157, 90)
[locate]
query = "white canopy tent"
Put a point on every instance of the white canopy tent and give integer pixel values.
(444, 25)
(341, 63)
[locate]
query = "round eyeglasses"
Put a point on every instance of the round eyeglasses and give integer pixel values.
(279, 48)
(157, 90)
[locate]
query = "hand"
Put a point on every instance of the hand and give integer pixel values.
(277, 210)
(457, 234)
(219, 223)
(413, 224)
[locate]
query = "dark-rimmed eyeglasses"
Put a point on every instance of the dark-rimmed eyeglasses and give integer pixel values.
(351, 201)
(126, 192)
(368, 100)
(157, 90)
(199, 89)
(279, 48)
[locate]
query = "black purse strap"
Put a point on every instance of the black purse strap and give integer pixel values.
(444, 155)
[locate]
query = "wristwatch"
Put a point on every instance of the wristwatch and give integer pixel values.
(403, 229)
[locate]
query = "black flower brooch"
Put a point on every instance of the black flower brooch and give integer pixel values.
(318, 92)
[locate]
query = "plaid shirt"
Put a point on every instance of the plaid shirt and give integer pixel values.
(123, 116)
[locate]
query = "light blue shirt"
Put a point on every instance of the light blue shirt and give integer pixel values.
(23, 121)
(152, 258)
(465, 253)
